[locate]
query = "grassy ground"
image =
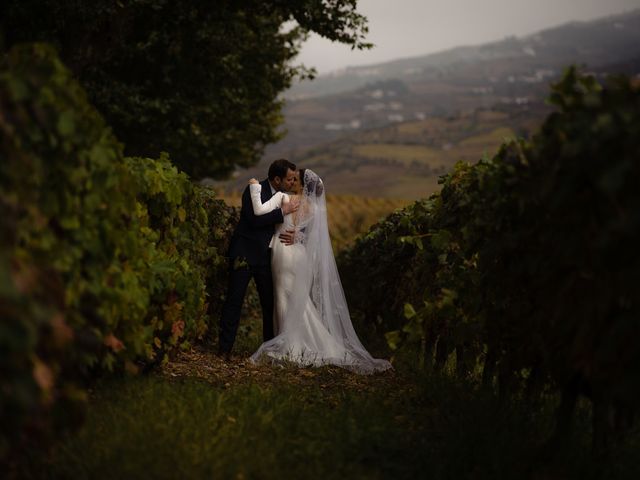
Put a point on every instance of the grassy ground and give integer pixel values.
(199, 417)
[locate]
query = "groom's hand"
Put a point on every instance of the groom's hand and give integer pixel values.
(287, 237)
(290, 207)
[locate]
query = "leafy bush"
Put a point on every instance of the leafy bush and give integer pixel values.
(106, 263)
(525, 264)
(70, 202)
(189, 229)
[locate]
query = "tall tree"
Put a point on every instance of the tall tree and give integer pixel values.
(196, 78)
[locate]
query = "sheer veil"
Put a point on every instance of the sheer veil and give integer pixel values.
(317, 279)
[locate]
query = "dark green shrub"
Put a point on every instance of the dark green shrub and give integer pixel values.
(107, 264)
(525, 265)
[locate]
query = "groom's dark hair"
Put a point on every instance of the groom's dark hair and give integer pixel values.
(279, 168)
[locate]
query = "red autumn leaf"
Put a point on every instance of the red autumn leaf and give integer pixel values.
(43, 375)
(177, 328)
(114, 343)
(62, 333)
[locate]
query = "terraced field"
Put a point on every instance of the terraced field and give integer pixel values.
(405, 160)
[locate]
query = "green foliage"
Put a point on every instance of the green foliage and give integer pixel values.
(108, 264)
(198, 79)
(314, 425)
(192, 429)
(189, 228)
(36, 369)
(531, 270)
(391, 243)
(69, 200)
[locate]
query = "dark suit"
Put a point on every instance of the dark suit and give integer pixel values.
(250, 256)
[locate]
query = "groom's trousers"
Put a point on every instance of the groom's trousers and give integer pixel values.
(239, 277)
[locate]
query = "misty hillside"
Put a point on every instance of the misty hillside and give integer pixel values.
(408, 121)
(405, 160)
(596, 43)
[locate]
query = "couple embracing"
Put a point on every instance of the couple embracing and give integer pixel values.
(282, 241)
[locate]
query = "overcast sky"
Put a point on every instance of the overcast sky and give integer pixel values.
(405, 28)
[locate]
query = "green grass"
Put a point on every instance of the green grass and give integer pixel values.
(422, 126)
(331, 425)
(401, 153)
(201, 418)
(155, 428)
(489, 141)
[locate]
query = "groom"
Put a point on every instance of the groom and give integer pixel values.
(250, 255)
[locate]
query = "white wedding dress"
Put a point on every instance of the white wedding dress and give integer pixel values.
(311, 319)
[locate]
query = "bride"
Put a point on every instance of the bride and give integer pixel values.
(311, 318)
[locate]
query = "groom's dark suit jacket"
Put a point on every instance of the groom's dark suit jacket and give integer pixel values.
(253, 233)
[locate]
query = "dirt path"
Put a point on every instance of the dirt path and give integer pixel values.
(201, 362)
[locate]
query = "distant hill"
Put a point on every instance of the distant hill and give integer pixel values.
(596, 43)
(406, 122)
(404, 160)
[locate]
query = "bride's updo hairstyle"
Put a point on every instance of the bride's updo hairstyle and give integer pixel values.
(313, 183)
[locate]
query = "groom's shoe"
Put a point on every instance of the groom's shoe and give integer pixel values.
(225, 356)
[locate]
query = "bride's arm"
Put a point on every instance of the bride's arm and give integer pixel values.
(260, 208)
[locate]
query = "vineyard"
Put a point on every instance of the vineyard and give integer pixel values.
(404, 161)
(108, 263)
(508, 303)
(523, 271)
